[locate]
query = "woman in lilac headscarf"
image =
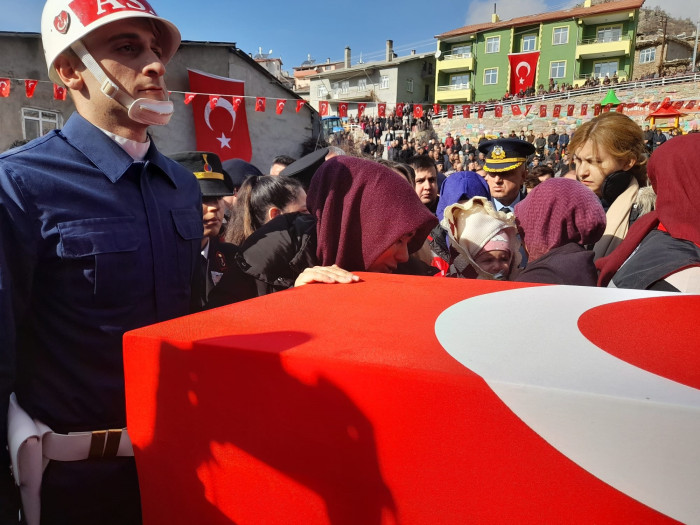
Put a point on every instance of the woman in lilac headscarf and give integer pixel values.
(556, 221)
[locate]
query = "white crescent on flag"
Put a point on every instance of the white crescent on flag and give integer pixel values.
(633, 429)
(221, 102)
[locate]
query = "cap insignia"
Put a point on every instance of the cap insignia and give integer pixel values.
(497, 153)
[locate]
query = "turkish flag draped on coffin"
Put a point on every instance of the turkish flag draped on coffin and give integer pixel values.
(222, 129)
(522, 70)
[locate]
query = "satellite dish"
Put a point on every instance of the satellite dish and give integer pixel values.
(438, 54)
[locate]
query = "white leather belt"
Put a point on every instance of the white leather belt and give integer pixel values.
(86, 445)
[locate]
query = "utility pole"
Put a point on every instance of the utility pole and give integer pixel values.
(664, 19)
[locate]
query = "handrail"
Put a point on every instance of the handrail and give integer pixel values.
(458, 55)
(454, 87)
(597, 40)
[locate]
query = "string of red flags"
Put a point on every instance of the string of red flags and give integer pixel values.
(500, 110)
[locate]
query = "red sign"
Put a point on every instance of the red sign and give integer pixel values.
(223, 127)
(523, 67)
(89, 11)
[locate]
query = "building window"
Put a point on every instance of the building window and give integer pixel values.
(493, 44)
(462, 50)
(322, 91)
(491, 76)
(335, 88)
(560, 36)
(529, 43)
(36, 122)
(344, 87)
(603, 69)
(609, 34)
(557, 69)
(460, 81)
(409, 85)
(647, 55)
(362, 84)
(384, 82)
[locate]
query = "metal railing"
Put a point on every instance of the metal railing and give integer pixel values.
(458, 56)
(604, 40)
(454, 87)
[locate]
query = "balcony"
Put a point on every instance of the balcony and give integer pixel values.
(457, 62)
(603, 48)
(454, 93)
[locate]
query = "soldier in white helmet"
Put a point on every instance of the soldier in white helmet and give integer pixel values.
(99, 234)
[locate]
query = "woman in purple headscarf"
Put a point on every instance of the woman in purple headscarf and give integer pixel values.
(363, 217)
(556, 221)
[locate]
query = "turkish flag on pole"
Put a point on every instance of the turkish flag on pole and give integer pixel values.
(498, 111)
(223, 128)
(450, 111)
(417, 110)
(467, 111)
(522, 70)
(59, 92)
(300, 104)
(399, 110)
(29, 87)
(381, 109)
(480, 110)
(4, 87)
(260, 103)
(279, 108)
(343, 109)
(189, 97)
(570, 110)
(515, 109)
(556, 112)
(584, 110)
(361, 109)
(323, 108)
(436, 109)
(543, 110)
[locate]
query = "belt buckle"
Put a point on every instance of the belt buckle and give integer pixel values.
(104, 443)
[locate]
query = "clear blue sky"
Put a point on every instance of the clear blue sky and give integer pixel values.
(321, 28)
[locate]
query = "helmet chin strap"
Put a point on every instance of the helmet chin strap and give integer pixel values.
(142, 110)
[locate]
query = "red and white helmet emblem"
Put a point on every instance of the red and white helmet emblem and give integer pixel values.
(62, 22)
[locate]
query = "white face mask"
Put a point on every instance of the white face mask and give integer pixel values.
(142, 110)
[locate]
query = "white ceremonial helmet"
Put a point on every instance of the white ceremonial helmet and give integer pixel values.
(65, 22)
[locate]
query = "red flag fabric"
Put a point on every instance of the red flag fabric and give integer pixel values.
(596, 110)
(515, 109)
(4, 87)
(690, 105)
(528, 107)
(653, 106)
(279, 108)
(467, 111)
(417, 110)
(644, 104)
(556, 112)
(570, 110)
(620, 108)
(222, 129)
(450, 110)
(343, 109)
(300, 104)
(323, 108)
(480, 110)
(189, 97)
(59, 92)
(666, 102)
(678, 105)
(607, 108)
(523, 67)
(584, 110)
(543, 110)
(213, 101)
(260, 103)
(498, 111)
(381, 109)
(436, 109)
(29, 87)
(399, 110)
(361, 109)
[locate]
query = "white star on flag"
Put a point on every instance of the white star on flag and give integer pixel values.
(224, 141)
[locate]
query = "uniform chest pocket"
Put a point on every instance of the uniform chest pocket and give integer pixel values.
(103, 253)
(189, 227)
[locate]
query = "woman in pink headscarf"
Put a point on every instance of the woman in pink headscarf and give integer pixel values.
(662, 249)
(556, 221)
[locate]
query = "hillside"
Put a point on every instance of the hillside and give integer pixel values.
(651, 20)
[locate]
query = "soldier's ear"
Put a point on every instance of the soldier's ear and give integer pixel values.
(70, 70)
